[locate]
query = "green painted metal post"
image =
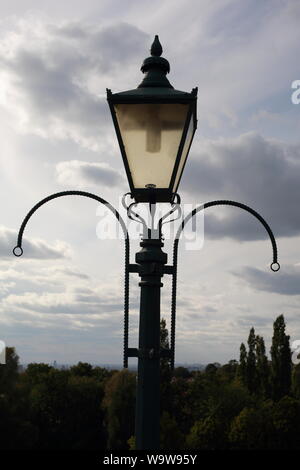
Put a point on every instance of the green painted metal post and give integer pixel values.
(151, 259)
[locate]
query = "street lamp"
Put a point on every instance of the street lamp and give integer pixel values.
(155, 125)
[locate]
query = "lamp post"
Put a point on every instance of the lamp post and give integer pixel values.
(155, 125)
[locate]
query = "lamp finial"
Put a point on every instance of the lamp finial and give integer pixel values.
(156, 68)
(156, 49)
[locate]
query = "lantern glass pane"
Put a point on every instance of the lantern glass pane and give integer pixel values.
(151, 135)
(185, 151)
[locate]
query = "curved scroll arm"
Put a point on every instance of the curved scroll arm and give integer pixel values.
(275, 266)
(175, 207)
(135, 216)
(18, 250)
(138, 218)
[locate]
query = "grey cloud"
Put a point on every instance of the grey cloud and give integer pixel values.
(71, 30)
(65, 302)
(240, 22)
(253, 320)
(83, 290)
(54, 103)
(98, 174)
(77, 173)
(72, 308)
(60, 304)
(284, 282)
(34, 249)
(72, 273)
(19, 285)
(199, 315)
(20, 279)
(259, 172)
(99, 300)
(120, 43)
(109, 46)
(51, 69)
(88, 298)
(209, 309)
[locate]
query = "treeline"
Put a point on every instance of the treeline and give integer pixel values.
(253, 403)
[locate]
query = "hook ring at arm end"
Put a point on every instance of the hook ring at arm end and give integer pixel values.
(275, 266)
(18, 251)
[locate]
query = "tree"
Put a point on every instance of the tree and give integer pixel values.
(165, 370)
(67, 411)
(251, 379)
(82, 369)
(262, 367)
(228, 371)
(296, 381)
(170, 435)
(119, 406)
(206, 434)
(220, 403)
(211, 369)
(9, 371)
(242, 369)
(286, 419)
(182, 372)
(281, 368)
(252, 428)
(181, 398)
(243, 432)
(83, 418)
(37, 373)
(164, 334)
(101, 374)
(16, 430)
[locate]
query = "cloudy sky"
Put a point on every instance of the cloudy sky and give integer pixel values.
(63, 299)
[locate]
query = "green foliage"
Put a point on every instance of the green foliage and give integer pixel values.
(296, 381)
(252, 429)
(281, 368)
(228, 372)
(242, 369)
(214, 408)
(286, 419)
(9, 371)
(165, 370)
(251, 373)
(182, 373)
(164, 334)
(82, 369)
(182, 404)
(16, 429)
(263, 387)
(221, 407)
(67, 411)
(206, 434)
(131, 443)
(170, 435)
(101, 374)
(119, 406)
(211, 369)
(36, 373)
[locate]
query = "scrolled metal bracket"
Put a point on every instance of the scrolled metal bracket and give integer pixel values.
(175, 207)
(132, 215)
(18, 250)
(275, 266)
